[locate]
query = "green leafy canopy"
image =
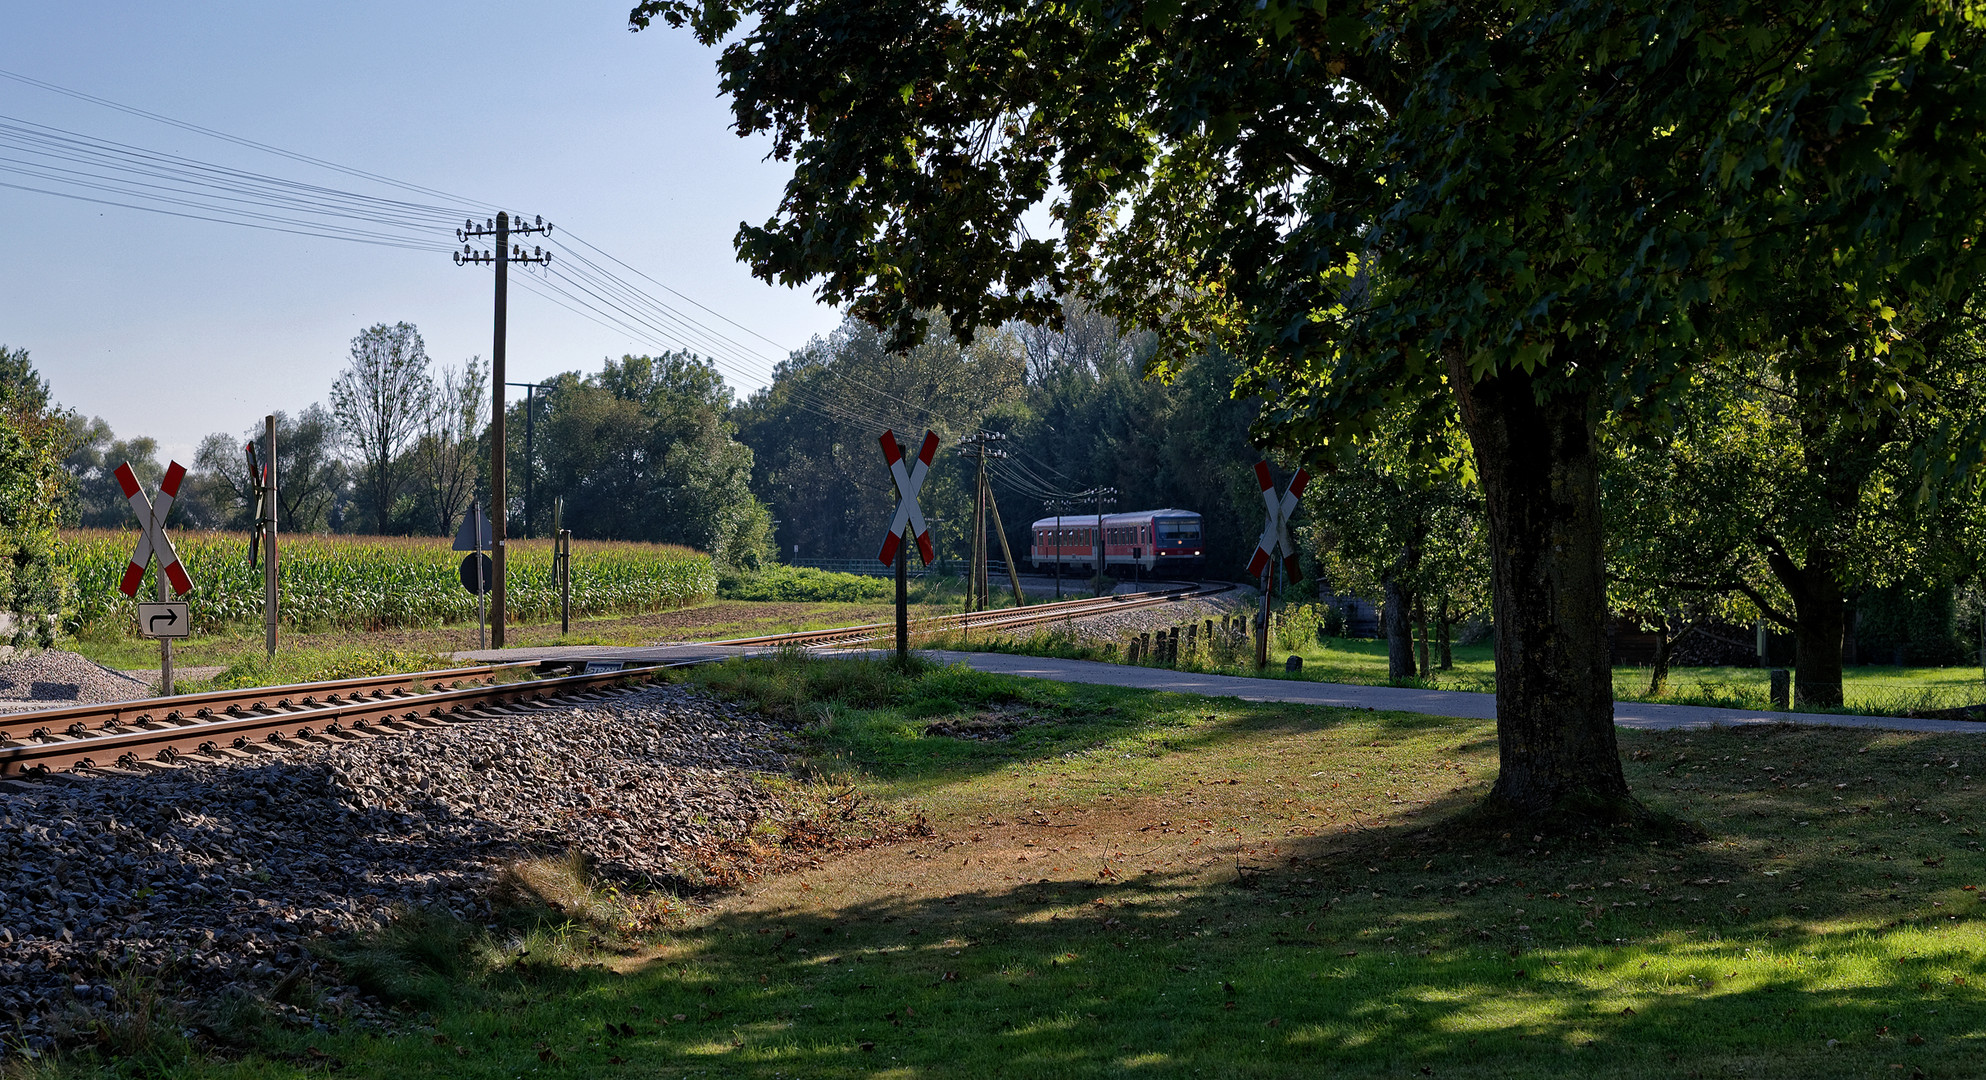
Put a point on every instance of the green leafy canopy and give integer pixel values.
(1372, 199)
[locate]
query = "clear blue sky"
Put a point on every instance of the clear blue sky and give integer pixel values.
(176, 328)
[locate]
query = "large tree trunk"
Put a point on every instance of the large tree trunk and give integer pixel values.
(1818, 622)
(1399, 631)
(1559, 762)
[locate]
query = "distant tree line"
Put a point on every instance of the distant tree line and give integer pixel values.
(642, 449)
(1075, 406)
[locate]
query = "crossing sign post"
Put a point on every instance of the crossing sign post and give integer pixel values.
(1275, 535)
(478, 571)
(906, 526)
(154, 544)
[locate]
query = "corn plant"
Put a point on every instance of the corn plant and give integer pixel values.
(379, 582)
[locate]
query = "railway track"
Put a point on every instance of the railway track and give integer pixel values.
(998, 619)
(163, 733)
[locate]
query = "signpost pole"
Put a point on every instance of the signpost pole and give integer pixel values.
(1262, 621)
(903, 604)
(165, 643)
(482, 586)
(562, 560)
(271, 596)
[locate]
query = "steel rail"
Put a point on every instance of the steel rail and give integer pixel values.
(170, 733)
(989, 620)
(155, 732)
(110, 713)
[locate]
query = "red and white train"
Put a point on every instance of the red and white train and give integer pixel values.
(1154, 542)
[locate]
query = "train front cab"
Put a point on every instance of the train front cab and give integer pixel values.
(1179, 549)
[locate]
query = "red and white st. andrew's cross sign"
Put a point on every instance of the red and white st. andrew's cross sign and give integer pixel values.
(1276, 533)
(153, 540)
(908, 483)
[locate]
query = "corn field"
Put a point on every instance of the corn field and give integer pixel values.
(378, 582)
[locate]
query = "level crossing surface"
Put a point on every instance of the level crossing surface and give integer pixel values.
(1643, 716)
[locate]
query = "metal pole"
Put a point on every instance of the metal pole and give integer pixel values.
(499, 501)
(903, 599)
(562, 558)
(482, 587)
(271, 595)
(1262, 625)
(979, 535)
(1058, 550)
(165, 644)
(1099, 538)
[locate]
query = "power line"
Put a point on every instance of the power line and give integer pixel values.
(84, 168)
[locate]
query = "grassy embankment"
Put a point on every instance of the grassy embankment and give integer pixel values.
(1148, 884)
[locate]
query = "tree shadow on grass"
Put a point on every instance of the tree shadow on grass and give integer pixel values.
(1388, 951)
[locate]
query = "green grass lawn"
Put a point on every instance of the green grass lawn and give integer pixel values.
(1139, 884)
(1872, 689)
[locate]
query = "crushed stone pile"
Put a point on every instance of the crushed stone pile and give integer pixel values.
(221, 873)
(49, 678)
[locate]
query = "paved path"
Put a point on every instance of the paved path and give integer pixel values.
(1473, 706)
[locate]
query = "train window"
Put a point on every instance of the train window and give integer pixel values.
(1179, 530)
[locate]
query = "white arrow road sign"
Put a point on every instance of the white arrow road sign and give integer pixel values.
(169, 619)
(153, 540)
(908, 483)
(1276, 533)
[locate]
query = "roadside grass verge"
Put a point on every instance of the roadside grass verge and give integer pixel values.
(1130, 883)
(1870, 690)
(700, 622)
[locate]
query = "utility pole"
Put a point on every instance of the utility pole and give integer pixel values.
(979, 598)
(271, 597)
(502, 256)
(1057, 505)
(530, 456)
(1102, 494)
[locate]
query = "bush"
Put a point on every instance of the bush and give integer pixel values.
(804, 584)
(1297, 626)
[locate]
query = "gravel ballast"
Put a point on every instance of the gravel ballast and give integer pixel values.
(50, 678)
(222, 872)
(1120, 626)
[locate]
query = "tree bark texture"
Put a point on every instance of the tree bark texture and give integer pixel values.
(1399, 631)
(1554, 688)
(1819, 619)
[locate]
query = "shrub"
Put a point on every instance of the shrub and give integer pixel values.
(805, 584)
(1297, 626)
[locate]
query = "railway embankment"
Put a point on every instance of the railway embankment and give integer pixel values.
(218, 880)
